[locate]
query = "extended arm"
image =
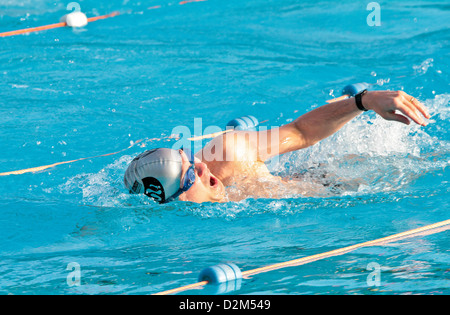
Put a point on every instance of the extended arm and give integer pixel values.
(324, 121)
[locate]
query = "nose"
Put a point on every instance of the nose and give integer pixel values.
(201, 168)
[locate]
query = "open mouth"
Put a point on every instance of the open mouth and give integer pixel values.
(213, 182)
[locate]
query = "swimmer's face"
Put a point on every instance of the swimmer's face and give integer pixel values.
(207, 187)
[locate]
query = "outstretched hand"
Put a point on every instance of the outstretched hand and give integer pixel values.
(396, 105)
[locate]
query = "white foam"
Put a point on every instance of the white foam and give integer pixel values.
(104, 188)
(372, 153)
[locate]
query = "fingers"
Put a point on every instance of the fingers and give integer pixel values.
(410, 113)
(413, 109)
(397, 106)
(421, 108)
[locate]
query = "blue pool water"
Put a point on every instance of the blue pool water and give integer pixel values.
(69, 94)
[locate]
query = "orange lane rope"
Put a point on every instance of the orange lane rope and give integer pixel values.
(422, 231)
(102, 17)
(189, 1)
(209, 136)
(56, 25)
(343, 97)
(33, 29)
(64, 24)
(41, 168)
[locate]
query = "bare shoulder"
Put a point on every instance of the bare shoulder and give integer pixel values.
(230, 154)
(233, 147)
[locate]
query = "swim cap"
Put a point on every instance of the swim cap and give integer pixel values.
(156, 173)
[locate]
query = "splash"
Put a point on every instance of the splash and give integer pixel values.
(367, 156)
(104, 188)
(371, 155)
(424, 66)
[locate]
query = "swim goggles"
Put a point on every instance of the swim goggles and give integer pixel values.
(189, 178)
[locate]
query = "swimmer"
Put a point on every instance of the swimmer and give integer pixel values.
(236, 159)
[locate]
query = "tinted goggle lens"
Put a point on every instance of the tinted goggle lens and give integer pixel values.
(189, 177)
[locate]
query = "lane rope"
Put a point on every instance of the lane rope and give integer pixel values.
(56, 25)
(91, 19)
(41, 168)
(44, 167)
(190, 1)
(422, 231)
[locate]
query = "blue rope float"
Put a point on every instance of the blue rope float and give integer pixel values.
(220, 273)
(244, 123)
(353, 89)
(225, 277)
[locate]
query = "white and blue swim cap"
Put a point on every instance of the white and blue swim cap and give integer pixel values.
(156, 173)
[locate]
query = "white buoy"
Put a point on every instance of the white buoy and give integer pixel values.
(75, 19)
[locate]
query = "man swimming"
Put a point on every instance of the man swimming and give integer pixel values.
(236, 159)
